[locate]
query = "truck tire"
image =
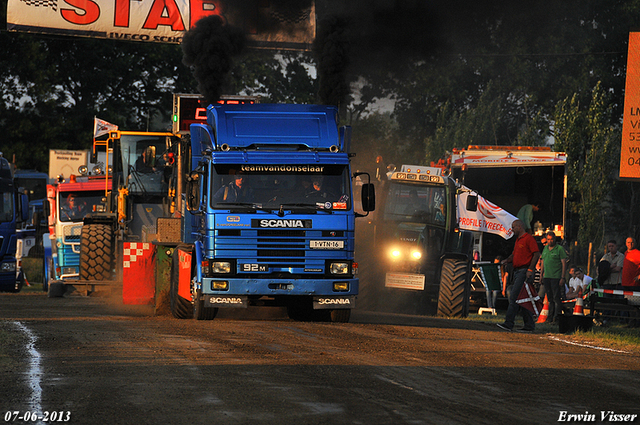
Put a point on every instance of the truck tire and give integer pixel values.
(455, 289)
(180, 307)
(47, 266)
(96, 252)
(56, 289)
(200, 312)
(340, 315)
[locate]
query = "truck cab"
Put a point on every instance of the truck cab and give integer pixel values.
(270, 213)
(14, 210)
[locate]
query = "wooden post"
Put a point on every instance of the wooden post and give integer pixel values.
(589, 259)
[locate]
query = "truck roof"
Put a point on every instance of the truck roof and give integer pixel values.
(272, 125)
(506, 156)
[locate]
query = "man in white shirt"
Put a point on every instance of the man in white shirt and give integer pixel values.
(576, 283)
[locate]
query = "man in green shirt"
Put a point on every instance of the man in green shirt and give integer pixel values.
(554, 268)
(525, 214)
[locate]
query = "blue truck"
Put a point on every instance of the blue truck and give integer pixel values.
(14, 212)
(269, 214)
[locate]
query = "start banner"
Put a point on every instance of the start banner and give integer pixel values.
(488, 218)
(273, 24)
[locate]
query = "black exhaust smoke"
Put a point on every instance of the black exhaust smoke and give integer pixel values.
(208, 48)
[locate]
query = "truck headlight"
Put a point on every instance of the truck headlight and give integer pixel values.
(8, 267)
(339, 268)
(416, 255)
(395, 253)
(220, 267)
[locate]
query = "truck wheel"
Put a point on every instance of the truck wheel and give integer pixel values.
(340, 315)
(96, 252)
(181, 308)
(455, 290)
(200, 312)
(56, 289)
(47, 265)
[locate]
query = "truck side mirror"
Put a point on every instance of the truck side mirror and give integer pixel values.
(23, 203)
(193, 192)
(472, 203)
(368, 197)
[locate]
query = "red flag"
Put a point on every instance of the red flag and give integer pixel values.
(529, 299)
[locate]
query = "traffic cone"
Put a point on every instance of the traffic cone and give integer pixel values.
(578, 309)
(545, 311)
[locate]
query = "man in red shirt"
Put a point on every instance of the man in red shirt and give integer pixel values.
(524, 257)
(631, 267)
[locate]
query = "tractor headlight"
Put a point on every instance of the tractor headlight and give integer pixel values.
(339, 268)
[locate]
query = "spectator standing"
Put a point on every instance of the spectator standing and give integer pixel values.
(524, 257)
(631, 267)
(616, 261)
(554, 268)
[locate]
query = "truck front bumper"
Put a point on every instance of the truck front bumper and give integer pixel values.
(323, 291)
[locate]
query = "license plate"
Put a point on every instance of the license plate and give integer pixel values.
(326, 244)
(405, 281)
(254, 268)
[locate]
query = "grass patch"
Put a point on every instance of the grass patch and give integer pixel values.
(615, 335)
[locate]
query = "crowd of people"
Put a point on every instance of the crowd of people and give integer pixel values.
(546, 266)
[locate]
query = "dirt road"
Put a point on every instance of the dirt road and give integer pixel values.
(101, 363)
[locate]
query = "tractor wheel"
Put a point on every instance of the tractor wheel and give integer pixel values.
(181, 308)
(97, 248)
(455, 288)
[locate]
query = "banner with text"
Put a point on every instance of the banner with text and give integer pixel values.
(630, 150)
(273, 24)
(488, 217)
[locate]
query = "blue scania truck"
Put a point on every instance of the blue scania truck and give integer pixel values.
(269, 214)
(14, 212)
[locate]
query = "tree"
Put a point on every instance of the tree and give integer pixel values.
(590, 141)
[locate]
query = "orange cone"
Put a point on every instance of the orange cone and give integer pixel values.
(578, 309)
(545, 311)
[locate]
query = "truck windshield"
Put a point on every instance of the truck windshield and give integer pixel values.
(6, 206)
(416, 203)
(36, 187)
(313, 186)
(73, 206)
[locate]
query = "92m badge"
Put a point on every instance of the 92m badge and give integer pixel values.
(254, 268)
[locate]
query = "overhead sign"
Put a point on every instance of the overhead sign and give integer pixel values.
(630, 150)
(272, 24)
(488, 218)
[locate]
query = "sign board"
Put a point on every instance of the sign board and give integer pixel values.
(272, 24)
(630, 149)
(66, 162)
(192, 109)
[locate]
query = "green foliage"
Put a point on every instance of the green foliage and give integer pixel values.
(589, 139)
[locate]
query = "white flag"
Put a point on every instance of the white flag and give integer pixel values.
(101, 127)
(488, 217)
